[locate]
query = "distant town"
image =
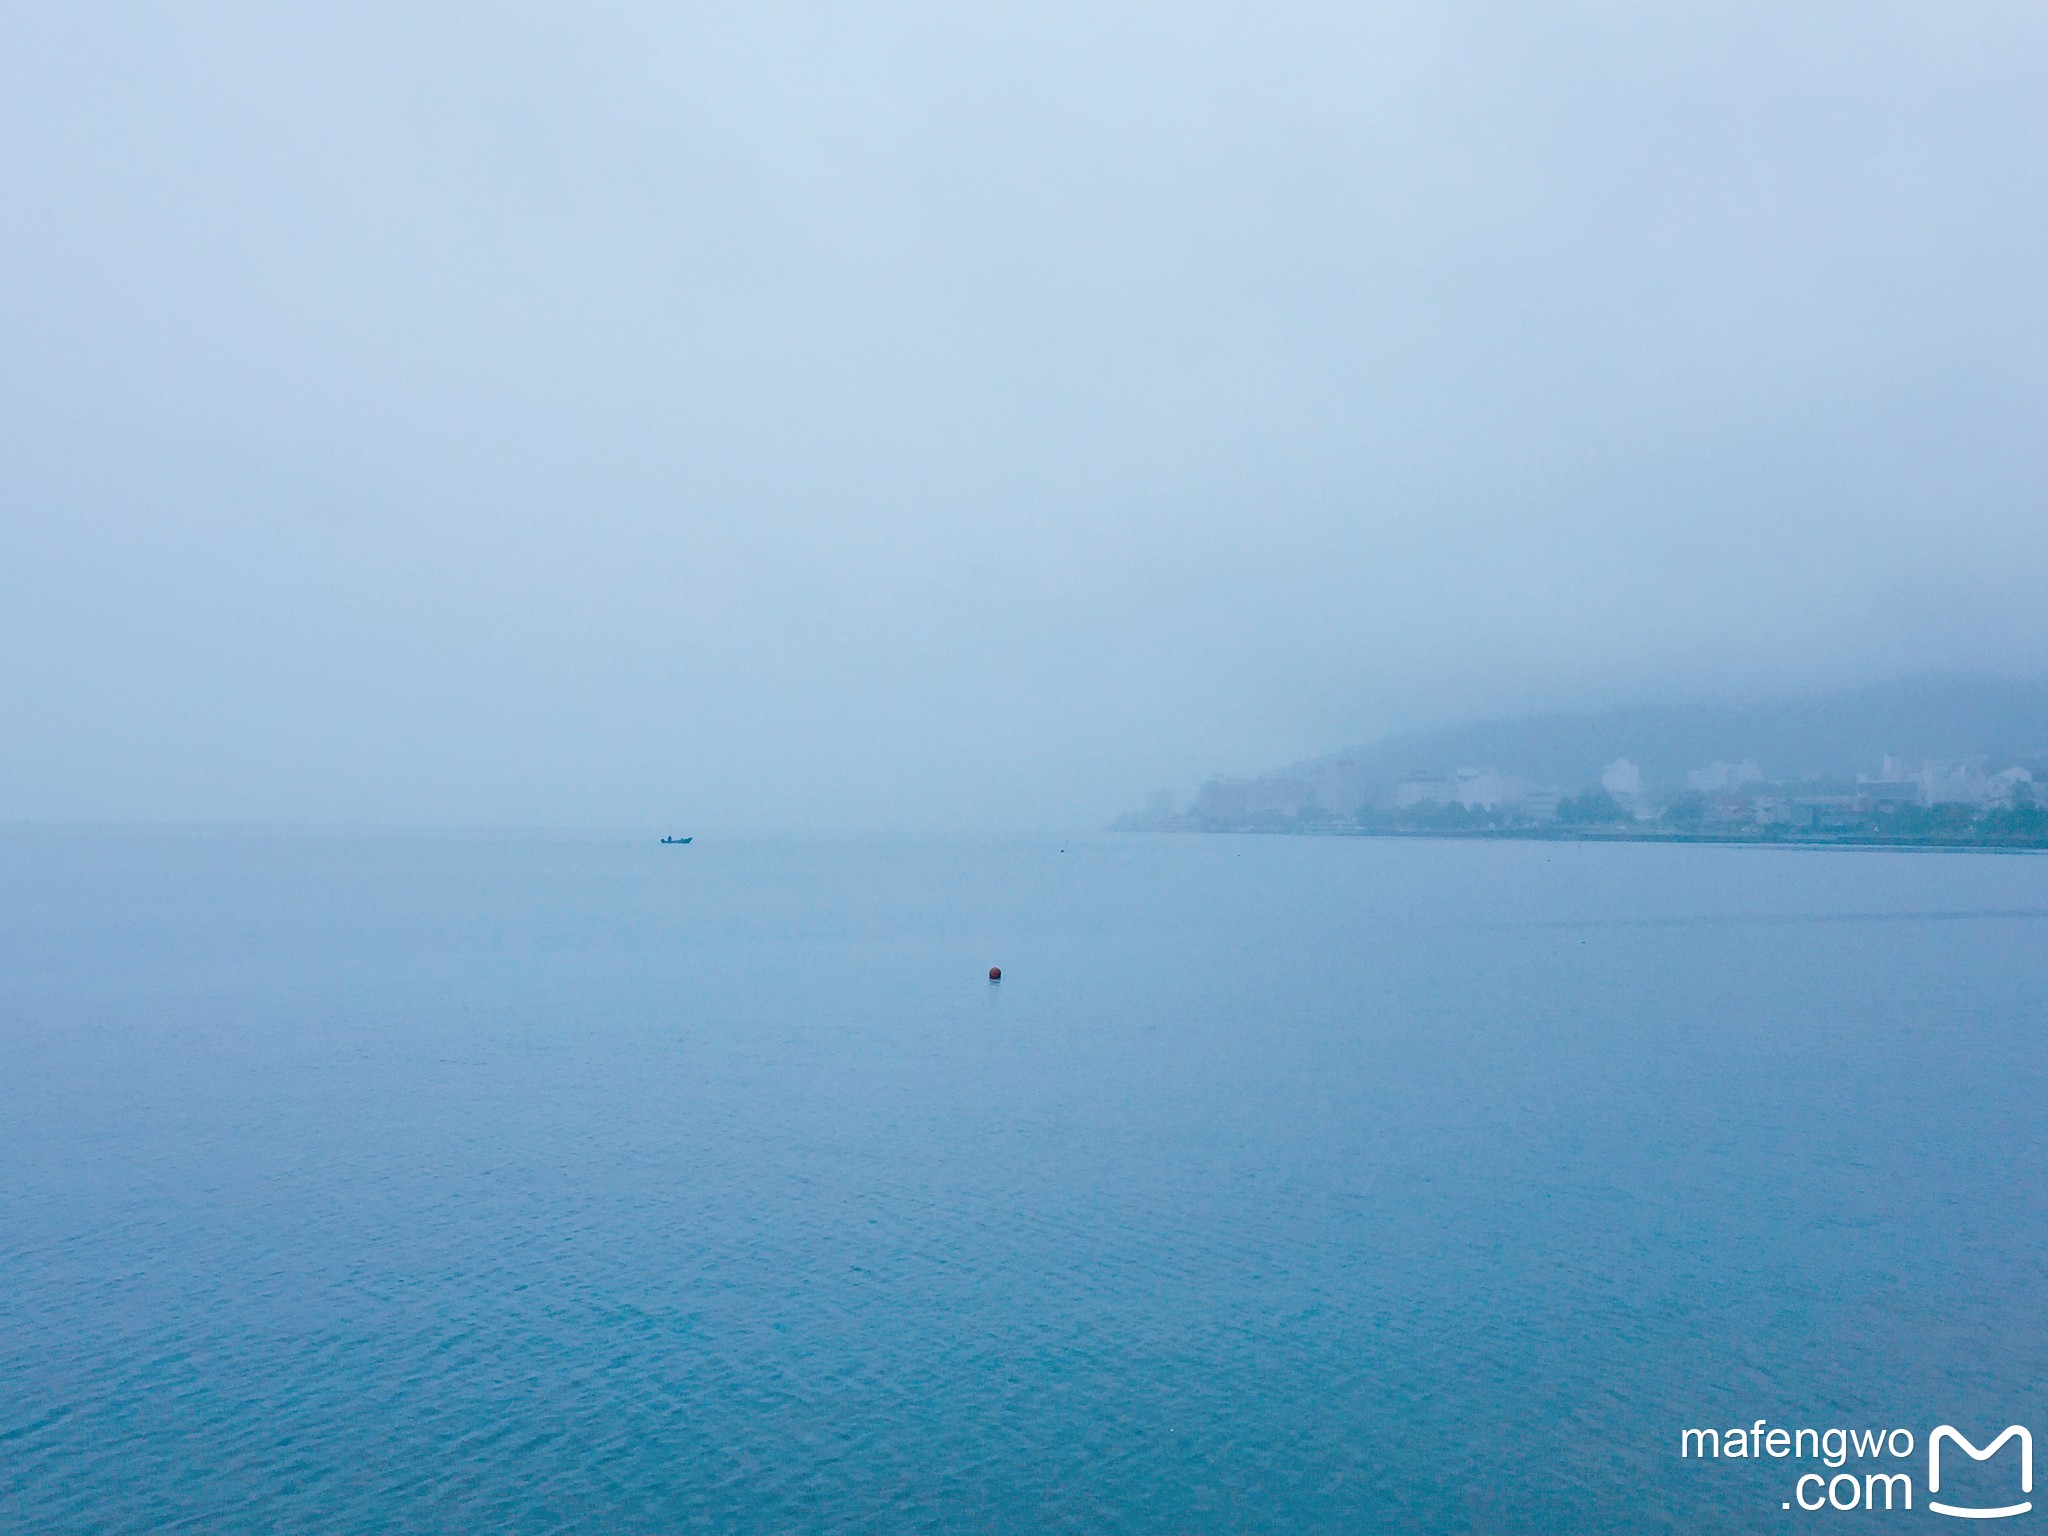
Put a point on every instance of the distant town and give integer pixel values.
(1961, 802)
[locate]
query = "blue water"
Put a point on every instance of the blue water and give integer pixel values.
(411, 1185)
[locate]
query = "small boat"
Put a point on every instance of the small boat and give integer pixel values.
(675, 839)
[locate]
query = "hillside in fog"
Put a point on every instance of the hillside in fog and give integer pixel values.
(1821, 738)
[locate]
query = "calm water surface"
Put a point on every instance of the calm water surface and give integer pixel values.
(1281, 1185)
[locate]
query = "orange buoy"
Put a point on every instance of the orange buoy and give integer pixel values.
(995, 973)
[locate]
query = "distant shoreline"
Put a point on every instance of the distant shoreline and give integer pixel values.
(1951, 762)
(1869, 841)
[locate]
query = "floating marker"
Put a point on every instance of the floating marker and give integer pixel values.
(995, 973)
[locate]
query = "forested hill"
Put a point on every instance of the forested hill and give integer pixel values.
(1824, 736)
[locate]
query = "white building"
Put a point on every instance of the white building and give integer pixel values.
(1900, 790)
(1968, 785)
(1422, 789)
(1484, 789)
(1949, 783)
(1622, 779)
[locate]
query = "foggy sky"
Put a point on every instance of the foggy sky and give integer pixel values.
(899, 416)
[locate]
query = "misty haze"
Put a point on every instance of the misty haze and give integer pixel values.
(906, 418)
(1097, 768)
